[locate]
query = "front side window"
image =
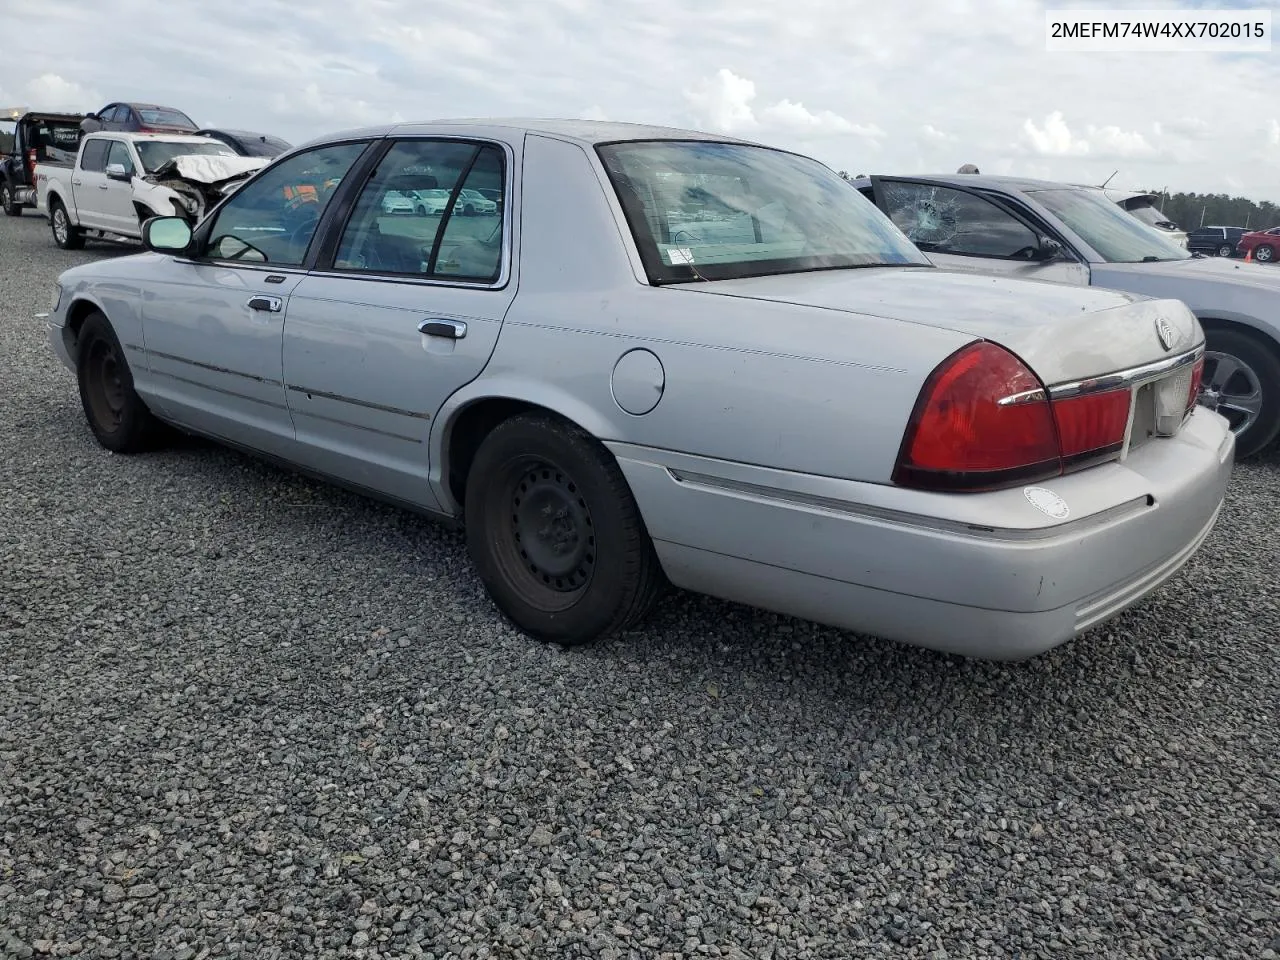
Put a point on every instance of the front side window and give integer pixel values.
(154, 154)
(944, 220)
(703, 210)
(93, 158)
(119, 153)
(1116, 235)
(414, 216)
(272, 218)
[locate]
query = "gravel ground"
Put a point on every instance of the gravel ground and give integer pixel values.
(244, 714)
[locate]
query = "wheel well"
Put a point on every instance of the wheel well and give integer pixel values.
(1268, 341)
(77, 313)
(468, 430)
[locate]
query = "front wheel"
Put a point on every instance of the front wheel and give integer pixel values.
(117, 416)
(11, 209)
(1242, 383)
(65, 235)
(555, 534)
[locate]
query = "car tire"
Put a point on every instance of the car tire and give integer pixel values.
(556, 535)
(65, 235)
(1249, 397)
(118, 417)
(468, 211)
(1264, 253)
(421, 211)
(1226, 250)
(11, 208)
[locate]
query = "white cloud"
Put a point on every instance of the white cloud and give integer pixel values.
(877, 92)
(723, 102)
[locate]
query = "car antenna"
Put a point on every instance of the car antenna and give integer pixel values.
(1108, 180)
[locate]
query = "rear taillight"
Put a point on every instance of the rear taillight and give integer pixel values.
(984, 420)
(1197, 381)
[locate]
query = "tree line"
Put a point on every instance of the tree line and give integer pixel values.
(1191, 210)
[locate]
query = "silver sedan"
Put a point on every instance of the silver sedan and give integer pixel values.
(673, 358)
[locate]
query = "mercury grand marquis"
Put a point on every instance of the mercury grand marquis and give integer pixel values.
(674, 358)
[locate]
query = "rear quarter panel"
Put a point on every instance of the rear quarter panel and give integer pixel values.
(779, 385)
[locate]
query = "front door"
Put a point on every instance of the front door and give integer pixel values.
(213, 324)
(964, 231)
(405, 313)
(116, 204)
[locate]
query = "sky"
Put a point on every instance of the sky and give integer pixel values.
(865, 87)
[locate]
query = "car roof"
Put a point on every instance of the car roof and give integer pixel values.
(239, 134)
(139, 137)
(991, 180)
(145, 106)
(586, 132)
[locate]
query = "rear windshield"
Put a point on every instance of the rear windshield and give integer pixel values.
(703, 210)
(264, 146)
(163, 116)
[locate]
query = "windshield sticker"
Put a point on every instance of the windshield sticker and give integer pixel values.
(679, 255)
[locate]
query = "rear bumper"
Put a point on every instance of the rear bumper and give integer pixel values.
(983, 575)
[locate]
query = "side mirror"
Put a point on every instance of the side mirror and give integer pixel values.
(116, 171)
(1049, 249)
(166, 235)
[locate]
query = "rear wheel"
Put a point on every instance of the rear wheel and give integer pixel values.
(11, 209)
(1264, 254)
(117, 416)
(1242, 382)
(555, 534)
(1226, 250)
(65, 235)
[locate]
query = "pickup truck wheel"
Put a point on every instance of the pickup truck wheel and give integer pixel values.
(117, 416)
(65, 235)
(1242, 383)
(1226, 250)
(556, 535)
(11, 209)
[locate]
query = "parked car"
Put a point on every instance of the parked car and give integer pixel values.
(1072, 234)
(249, 144)
(121, 179)
(1216, 241)
(393, 201)
(473, 203)
(32, 137)
(138, 118)
(790, 408)
(1263, 244)
(1145, 207)
(432, 203)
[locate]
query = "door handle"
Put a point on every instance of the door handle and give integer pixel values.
(449, 329)
(102, 186)
(75, 183)
(266, 304)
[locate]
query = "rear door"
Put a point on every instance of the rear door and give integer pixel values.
(975, 231)
(400, 312)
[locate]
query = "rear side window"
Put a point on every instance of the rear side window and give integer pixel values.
(93, 157)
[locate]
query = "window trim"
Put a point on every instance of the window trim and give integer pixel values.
(328, 249)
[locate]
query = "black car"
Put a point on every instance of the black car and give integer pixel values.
(249, 144)
(1215, 241)
(138, 118)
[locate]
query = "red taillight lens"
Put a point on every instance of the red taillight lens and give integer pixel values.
(1197, 381)
(1092, 425)
(982, 420)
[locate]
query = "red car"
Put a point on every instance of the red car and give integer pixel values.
(1264, 244)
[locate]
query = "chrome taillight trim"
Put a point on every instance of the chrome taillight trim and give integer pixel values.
(1125, 379)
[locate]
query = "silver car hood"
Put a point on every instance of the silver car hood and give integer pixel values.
(1198, 270)
(1063, 332)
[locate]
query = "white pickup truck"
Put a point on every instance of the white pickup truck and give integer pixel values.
(120, 180)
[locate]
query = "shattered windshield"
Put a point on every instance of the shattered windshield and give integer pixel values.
(156, 153)
(712, 211)
(1115, 234)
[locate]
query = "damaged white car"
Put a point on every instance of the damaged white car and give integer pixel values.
(120, 180)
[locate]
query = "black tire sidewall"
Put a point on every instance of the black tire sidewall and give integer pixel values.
(136, 420)
(1249, 349)
(609, 592)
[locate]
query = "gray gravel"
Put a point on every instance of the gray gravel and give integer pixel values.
(244, 714)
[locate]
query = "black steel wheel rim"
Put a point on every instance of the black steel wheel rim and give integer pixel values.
(547, 544)
(104, 377)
